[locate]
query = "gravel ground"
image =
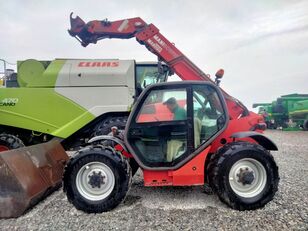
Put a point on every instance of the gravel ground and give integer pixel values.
(188, 208)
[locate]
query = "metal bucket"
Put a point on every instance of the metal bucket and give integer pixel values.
(29, 174)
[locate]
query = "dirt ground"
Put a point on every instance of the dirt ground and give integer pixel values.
(187, 208)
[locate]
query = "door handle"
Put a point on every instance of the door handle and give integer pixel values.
(178, 133)
(171, 124)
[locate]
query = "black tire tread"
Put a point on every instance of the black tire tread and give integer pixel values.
(225, 153)
(92, 207)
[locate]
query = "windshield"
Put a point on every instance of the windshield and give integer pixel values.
(148, 74)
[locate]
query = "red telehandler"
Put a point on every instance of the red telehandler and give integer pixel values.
(179, 133)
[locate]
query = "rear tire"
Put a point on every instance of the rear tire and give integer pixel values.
(96, 179)
(104, 127)
(244, 175)
(9, 142)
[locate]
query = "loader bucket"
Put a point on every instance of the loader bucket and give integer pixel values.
(29, 174)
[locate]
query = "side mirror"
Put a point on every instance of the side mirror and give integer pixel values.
(219, 74)
(163, 69)
(160, 68)
(144, 83)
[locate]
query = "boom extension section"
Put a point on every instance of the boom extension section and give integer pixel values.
(155, 42)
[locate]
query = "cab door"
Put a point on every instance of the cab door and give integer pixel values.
(171, 121)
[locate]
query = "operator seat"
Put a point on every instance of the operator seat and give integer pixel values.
(176, 148)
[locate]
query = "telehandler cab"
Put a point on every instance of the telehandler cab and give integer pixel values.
(179, 133)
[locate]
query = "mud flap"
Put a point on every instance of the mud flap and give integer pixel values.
(258, 137)
(29, 174)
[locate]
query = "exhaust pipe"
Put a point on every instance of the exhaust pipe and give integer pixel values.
(29, 174)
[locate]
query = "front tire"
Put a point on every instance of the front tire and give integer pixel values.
(244, 175)
(96, 179)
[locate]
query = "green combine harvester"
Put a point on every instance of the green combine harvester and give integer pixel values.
(71, 99)
(299, 113)
(288, 112)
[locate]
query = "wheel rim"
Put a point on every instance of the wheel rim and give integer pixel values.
(95, 181)
(247, 177)
(3, 148)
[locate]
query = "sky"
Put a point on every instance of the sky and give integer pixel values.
(262, 45)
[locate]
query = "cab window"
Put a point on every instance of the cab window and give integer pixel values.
(164, 105)
(147, 75)
(208, 114)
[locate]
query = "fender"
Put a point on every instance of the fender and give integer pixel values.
(258, 137)
(112, 138)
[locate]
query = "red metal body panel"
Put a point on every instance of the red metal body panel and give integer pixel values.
(236, 125)
(119, 148)
(191, 173)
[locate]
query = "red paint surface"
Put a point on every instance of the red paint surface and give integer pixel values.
(192, 173)
(3, 148)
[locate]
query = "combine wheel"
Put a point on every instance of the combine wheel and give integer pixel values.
(8, 142)
(97, 179)
(244, 175)
(104, 127)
